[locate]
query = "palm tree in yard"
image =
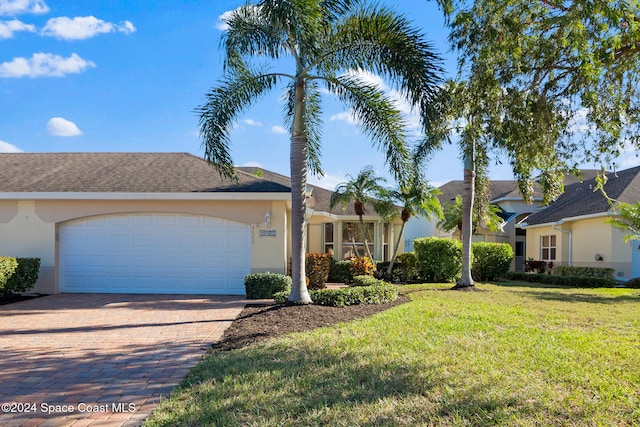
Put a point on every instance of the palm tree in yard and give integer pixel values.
(416, 198)
(360, 190)
(303, 47)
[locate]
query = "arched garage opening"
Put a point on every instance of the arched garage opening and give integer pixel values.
(160, 253)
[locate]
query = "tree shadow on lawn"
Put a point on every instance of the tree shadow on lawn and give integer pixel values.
(278, 384)
(582, 297)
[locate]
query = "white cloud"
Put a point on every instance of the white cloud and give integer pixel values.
(628, 157)
(252, 164)
(411, 118)
(251, 122)
(17, 7)
(5, 147)
(58, 126)
(328, 181)
(83, 27)
(44, 64)
(7, 28)
(279, 130)
(346, 116)
(222, 21)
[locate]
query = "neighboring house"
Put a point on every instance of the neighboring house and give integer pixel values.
(158, 222)
(573, 229)
(505, 195)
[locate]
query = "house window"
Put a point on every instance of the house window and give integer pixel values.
(352, 240)
(548, 248)
(328, 238)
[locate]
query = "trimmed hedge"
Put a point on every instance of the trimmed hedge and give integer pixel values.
(317, 268)
(24, 277)
(340, 272)
(531, 265)
(633, 283)
(601, 272)
(366, 281)
(491, 261)
(572, 281)
(376, 294)
(266, 285)
(404, 269)
(438, 259)
(8, 266)
(362, 266)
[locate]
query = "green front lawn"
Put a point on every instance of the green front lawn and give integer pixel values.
(511, 356)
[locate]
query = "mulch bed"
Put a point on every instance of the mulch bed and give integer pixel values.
(259, 322)
(9, 299)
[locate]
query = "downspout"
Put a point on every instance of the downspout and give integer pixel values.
(555, 226)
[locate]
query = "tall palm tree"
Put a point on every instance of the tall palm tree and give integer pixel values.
(360, 190)
(453, 213)
(324, 41)
(416, 198)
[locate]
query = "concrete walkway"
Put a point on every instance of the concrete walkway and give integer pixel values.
(102, 359)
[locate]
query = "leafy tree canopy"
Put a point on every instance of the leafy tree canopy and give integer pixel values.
(549, 83)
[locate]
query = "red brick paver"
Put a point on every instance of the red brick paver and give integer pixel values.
(101, 359)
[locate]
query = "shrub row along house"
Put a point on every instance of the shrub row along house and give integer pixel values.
(161, 222)
(570, 231)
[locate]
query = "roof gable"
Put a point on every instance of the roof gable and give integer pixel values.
(580, 199)
(121, 173)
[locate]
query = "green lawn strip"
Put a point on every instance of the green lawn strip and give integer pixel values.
(523, 356)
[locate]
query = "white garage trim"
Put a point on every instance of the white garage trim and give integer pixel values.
(157, 253)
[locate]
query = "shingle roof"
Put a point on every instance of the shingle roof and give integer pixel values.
(121, 172)
(579, 199)
(507, 189)
(320, 197)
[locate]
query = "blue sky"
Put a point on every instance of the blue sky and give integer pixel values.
(117, 75)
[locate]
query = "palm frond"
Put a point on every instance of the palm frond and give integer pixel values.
(251, 33)
(217, 116)
(378, 117)
(384, 42)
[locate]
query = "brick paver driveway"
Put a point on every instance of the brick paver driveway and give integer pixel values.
(101, 360)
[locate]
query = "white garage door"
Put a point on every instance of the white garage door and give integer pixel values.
(154, 253)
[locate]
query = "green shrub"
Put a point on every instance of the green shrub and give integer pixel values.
(340, 272)
(24, 277)
(376, 294)
(633, 283)
(573, 281)
(7, 267)
(491, 261)
(317, 268)
(601, 272)
(362, 266)
(265, 285)
(533, 266)
(438, 259)
(366, 281)
(408, 265)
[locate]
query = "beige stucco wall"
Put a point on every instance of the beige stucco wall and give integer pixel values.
(589, 237)
(28, 228)
(24, 234)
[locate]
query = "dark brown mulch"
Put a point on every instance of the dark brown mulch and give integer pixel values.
(259, 322)
(9, 299)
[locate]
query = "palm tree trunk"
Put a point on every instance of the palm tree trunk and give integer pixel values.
(466, 281)
(364, 238)
(298, 160)
(395, 250)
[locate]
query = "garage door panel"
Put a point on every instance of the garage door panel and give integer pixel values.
(154, 253)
